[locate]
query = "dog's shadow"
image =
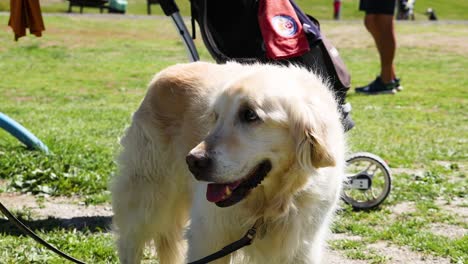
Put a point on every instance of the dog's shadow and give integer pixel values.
(93, 224)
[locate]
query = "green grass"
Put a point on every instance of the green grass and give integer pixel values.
(89, 247)
(321, 9)
(76, 87)
(356, 249)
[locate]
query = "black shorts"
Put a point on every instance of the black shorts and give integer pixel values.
(386, 7)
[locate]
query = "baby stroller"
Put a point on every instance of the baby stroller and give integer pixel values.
(237, 35)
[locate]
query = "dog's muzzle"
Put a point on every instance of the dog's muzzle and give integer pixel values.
(228, 194)
(200, 165)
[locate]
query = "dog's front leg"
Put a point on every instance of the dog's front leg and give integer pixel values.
(171, 247)
(130, 249)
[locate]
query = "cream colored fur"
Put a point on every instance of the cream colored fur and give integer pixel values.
(193, 107)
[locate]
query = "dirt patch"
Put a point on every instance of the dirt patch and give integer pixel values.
(449, 164)
(458, 206)
(355, 35)
(58, 207)
(390, 252)
(334, 257)
(416, 172)
(454, 44)
(54, 213)
(457, 172)
(21, 99)
(341, 236)
(404, 255)
(402, 208)
(450, 231)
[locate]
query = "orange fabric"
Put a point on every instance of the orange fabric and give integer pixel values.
(26, 14)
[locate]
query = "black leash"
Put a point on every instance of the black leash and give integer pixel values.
(30, 233)
(246, 240)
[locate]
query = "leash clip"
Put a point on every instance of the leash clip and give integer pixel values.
(252, 232)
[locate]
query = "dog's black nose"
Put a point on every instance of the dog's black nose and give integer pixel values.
(199, 164)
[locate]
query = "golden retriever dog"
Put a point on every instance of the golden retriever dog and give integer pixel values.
(213, 148)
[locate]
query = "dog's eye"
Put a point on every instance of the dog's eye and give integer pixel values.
(248, 115)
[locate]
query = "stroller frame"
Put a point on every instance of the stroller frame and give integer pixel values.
(368, 177)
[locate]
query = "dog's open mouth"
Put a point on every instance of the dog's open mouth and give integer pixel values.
(227, 194)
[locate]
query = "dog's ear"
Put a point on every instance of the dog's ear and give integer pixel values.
(313, 132)
(320, 152)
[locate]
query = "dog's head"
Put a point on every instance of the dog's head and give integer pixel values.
(263, 124)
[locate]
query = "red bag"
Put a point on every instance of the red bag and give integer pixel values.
(281, 30)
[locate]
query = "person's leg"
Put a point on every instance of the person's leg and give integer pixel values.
(379, 22)
(387, 46)
(381, 27)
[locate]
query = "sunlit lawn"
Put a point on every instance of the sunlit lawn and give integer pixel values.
(76, 87)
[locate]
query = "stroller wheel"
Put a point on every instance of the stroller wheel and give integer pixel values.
(368, 181)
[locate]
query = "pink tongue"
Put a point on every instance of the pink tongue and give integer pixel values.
(217, 191)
